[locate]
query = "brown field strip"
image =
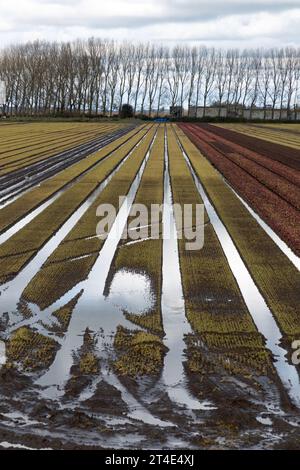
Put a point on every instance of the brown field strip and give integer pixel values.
(269, 135)
(275, 276)
(230, 148)
(13, 212)
(66, 266)
(272, 197)
(34, 235)
(286, 155)
(214, 305)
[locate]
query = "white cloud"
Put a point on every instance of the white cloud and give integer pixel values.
(231, 23)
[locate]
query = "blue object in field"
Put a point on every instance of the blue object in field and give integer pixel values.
(161, 119)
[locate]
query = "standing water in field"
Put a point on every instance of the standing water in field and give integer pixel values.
(175, 323)
(131, 292)
(96, 312)
(255, 302)
(11, 291)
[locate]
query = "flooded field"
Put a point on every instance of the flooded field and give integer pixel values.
(135, 339)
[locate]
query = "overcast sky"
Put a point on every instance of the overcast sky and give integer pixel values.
(224, 23)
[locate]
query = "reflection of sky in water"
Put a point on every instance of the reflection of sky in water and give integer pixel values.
(2, 353)
(131, 292)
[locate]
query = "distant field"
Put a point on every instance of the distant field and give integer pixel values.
(282, 134)
(118, 339)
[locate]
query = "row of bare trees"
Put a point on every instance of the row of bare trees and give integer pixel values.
(98, 76)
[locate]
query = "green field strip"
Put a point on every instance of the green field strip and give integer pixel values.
(145, 257)
(214, 304)
(36, 233)
(13, 212)
(45, 131)
(276, 277)
(48, 152)
(60, 273)
(19, 143)
(18, 147)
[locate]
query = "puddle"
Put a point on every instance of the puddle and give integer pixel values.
(255, 302)
(265, 420)
(2, 353)
(130, 291)
(8, 445)
(175, 323)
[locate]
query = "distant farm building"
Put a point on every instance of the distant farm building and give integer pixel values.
(246, 113)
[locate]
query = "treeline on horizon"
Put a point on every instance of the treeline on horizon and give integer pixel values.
(96, 77)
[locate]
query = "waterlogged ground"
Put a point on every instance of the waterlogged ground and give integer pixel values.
(88, 372)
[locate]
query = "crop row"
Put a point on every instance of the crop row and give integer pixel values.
(214, 305)
(275, 135)
(286, 155)
(68, 265)
(275, 276)
(35, 234)
(43, 133)
(279, 214)
(284, 189)
(146, 256)
(48, 150)
(229, 147)
(11, 213)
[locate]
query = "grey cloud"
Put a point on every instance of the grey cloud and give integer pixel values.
(168, 11)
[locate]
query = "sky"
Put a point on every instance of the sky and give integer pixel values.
(220, 23)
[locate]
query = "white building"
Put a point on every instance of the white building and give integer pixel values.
(246, 113)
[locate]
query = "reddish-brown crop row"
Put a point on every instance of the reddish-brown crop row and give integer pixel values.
(269, 204)
(286, 155)
(276, 167)
(288, 191)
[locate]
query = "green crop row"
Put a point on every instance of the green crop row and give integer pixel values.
(60, 272)
(34, 235)
(146, 256)
(140, 353)
(214, 305)
(274, 274)
(36, 196)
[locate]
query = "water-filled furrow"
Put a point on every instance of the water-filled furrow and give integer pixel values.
(276, 239)
(4, 236)
(97, 313)
(254, 300)
(12, 290)
(175, 323)
(28, 182)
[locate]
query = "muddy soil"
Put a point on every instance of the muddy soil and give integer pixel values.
(245, 416)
